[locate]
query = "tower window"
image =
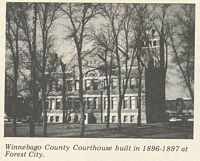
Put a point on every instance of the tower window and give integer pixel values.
(154, 43)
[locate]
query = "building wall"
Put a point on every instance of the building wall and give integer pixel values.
(94, 87)
(93, 105)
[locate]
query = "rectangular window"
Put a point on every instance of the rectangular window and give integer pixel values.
(125, 118)
(125, 103)
(114, 103)
(51, 118)
(52, 104)
(50, 86)
(131, 118)
(114, 83)
(105, 118)
(69, 85)
(105, 103)
(87, 84)
(89, 101)
(124, 82)
(95, 84)
(132, 83)
(132, 103)
(70, 105)
(154, 43)
(77, 85)
(58, 103)
(53, 86)
(47, 103)
(57, 118)
(95, 103)
(104, 84)
(76, 103)
(113, 118)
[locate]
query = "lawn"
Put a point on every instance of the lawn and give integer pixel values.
(159, 130)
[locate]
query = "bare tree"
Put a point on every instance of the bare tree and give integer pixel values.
(119, 20)
(63, 67)
(79, 16)
(152, 22)
(13, 38)
(47, 13)
(104, 50)
(182, 42)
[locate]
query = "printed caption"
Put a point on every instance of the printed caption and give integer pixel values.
(37, 151)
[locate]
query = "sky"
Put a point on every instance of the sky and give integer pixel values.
(174, 86)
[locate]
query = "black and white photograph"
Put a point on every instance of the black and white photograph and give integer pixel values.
(99, 70)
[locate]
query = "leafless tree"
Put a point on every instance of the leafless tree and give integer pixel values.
(13, 38)
(103, 44)
(119, 20)
(47, 13)
(79, 16)
(63, 67)
(182, 35)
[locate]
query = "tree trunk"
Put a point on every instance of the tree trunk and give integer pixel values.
(33, 76)
(82, 110)
(44, 110)
(63, 66)
(108, 107)
(139, 91)
(15, 99)
(101, 102)
(119, 114)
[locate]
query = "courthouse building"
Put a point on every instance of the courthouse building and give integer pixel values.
(95, 97)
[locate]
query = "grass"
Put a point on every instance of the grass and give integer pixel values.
(157, 131)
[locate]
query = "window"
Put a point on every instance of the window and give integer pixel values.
(113, 118)
(95, 84)
(95, 103)
(76, 103)
(53, 86)
(125, 103)
(76, 118)
(125, 118)
(47, 103)
(52, 106)
(132, 83)
(57, 118)
(70, 106)
(105, 118)
(51, 118)
(58, 103)
(124, 82)
(114, 83)
(154, 43)
(87, 84)
(77, 85)
(105, 103)
(114, 103)
(89, 102)
(104, 84)
(132, 103)
(50, 86)
(69, 85)
(59, 85)
(131, 118)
